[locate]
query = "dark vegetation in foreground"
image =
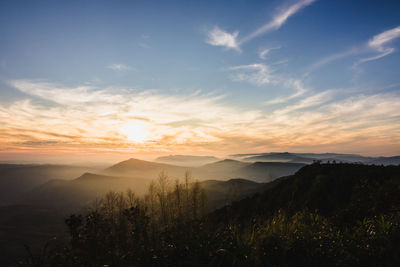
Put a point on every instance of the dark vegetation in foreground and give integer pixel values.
(324, 215)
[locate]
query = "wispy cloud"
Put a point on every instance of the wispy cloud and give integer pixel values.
(105, 114)
(119, 67)
(379, 43)
(358, 123)
(264, 52)
(219, 37)
(258, 74)
(84, 118)
(330, 58)
(262, 74)
(279, 19)
(64, 95)
(299, 91)
(311, 101)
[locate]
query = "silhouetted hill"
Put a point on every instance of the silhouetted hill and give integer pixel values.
(145, 169)
(134, 165)
(281, 157)
(17, 179)
(336, 156)
(226, 163)
(186, 160)
(220, 193)
(324, 214)
(82, 190)
(220, 170)
(268, 171)
(137, 174)
(89, 177)
(386, 161)
(88, 187)
(345, 191)
(306, 158)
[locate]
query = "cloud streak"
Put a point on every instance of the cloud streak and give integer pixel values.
(258, 74)
(263, 53)
(299, 91)
(279, 19)
(379, 43)
(218, 37)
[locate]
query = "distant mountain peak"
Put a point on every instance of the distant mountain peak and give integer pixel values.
(187, 157)
(132, 161)
(92, 176)
(228, 160)
(135, 160)
(186, 160)
(241, 181)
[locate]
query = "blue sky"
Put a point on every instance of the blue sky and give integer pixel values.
(231, 76)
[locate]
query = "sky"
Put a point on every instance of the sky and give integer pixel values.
(105, 80)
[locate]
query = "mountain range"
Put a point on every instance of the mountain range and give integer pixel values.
(137, 174)
(18, 179)
(308, 158)
(186, 160)
(50, 192)
(21, 184)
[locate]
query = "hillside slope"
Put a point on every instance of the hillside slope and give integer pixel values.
(82, 190)
(345, 191)
(323, 215)
(16, 179)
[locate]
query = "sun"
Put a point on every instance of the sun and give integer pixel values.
(135, 132)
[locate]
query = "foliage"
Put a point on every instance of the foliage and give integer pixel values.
(326, 214)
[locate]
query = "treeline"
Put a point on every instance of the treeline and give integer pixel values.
(305, 220)
(122, 229)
